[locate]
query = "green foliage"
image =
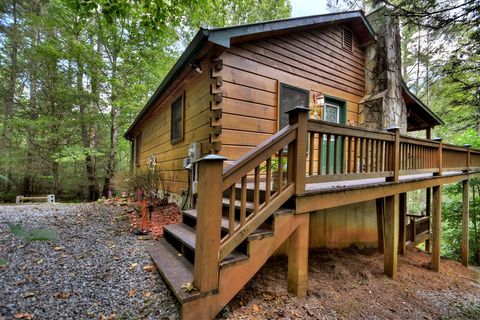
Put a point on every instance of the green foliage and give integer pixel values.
(75, 73)
(33, 235)
(3, 262)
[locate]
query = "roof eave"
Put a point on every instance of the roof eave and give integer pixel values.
(422, 105)
(189, 53)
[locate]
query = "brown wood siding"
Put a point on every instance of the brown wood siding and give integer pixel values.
(156, 128)
(314, 60)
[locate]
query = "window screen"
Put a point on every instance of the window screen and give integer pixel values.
(291, 97)
(176, 133)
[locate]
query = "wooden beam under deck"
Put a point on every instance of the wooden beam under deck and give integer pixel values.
(313, 200)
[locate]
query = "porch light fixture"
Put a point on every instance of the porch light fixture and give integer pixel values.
(320, 99)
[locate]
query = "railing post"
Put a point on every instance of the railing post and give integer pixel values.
(468, 157)
(396, 154)
(297, 151)
(440, 157)
(209, 219)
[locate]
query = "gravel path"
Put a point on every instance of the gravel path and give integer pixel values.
(94, 271)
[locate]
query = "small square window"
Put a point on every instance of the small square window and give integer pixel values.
(177, 115)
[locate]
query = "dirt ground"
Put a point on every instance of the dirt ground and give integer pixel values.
(351, 285)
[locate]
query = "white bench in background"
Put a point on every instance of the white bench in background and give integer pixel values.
(49, 198)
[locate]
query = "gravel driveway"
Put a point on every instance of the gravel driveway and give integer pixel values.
(94, 271)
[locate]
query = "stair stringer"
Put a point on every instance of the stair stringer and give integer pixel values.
(234, 277)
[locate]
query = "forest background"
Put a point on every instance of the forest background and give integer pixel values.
(75, 73)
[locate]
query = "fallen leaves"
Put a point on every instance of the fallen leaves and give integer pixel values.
(149, 268)
(29, 295)
(188, 287)
(148, 294)
(62, 295)
(133, 266)
(132, 292)
(24, 315)
(58, 248)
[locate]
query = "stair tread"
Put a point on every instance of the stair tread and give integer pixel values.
(249, 205)
(175, 269)
(186, 235)
(193, 214)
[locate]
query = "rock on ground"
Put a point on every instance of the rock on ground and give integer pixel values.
(95, 270)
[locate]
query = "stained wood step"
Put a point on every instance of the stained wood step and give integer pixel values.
(185, 236)
(175, 269)
(260, 233)
(192, 214)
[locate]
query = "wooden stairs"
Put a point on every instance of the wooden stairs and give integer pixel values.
(174, 257)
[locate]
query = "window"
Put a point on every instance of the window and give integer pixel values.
(176, 131)
(138, 142)
(332, 113)
(347, 39)
(291, 97)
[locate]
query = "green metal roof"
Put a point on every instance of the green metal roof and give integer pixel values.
(224, 36)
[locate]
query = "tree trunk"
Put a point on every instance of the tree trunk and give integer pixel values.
(10, 95)
(111, 157)
(87, 137)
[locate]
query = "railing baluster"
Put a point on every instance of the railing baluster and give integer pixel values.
(268, 181)
(349, 155)
(343, 150)
(320, 153)
(367, 155)
(311, 153)
(231, 211)
(335, 154)
(361, 155)
(256, 190)
(355, 154)
(327, 162)
(243, 201)
(383, 164)
(280, 170)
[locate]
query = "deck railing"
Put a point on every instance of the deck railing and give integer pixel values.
(314, 152)
(338, 152)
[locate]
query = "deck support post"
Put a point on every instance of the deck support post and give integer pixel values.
(436, 227)
(391, 235)
(428, 199)
(428, 210)
(402, 223)
(380, 204)
(297, 150)
(209, 220)
(465, 207)
(298, 257)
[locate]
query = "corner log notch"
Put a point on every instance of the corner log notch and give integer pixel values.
(215, 143)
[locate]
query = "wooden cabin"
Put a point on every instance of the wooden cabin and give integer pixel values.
(285, 125)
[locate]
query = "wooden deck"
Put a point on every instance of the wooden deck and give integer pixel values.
(247, 212)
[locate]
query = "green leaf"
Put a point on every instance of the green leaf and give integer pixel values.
(3, 262)
(17, 230)
(33, 235)
(44, 235)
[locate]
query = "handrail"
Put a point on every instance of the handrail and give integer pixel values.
(259, 154)
(258, 165)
